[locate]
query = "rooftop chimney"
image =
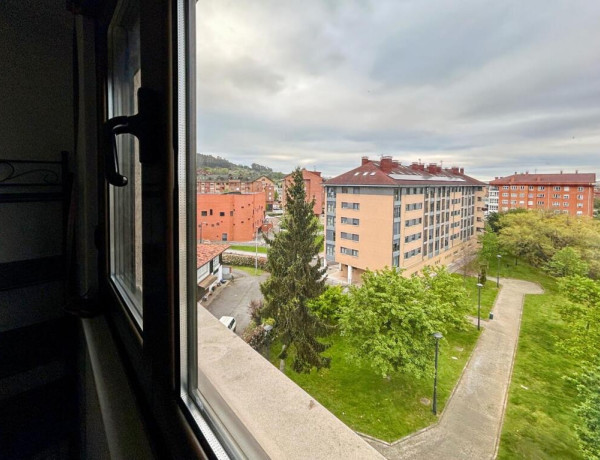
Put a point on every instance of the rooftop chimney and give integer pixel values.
(454, 170)
(417, 166)
(386, 164)
(461, 170)
(364, 161)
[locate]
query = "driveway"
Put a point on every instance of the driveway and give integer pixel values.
(233, 298)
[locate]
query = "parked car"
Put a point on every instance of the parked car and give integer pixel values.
(229, 322)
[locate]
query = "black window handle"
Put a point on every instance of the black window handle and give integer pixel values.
(144, 125)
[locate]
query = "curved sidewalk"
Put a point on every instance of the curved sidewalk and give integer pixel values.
(470, 425)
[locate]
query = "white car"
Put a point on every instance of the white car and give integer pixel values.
(229, 322)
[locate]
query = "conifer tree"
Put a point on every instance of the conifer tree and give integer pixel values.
(295, 279)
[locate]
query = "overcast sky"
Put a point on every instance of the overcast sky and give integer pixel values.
(492, 86)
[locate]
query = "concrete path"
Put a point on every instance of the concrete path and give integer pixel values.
(470, 425)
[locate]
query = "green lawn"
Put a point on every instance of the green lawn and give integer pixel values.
(250, 270)
(370, 404)
(488, 295)
(249, 248)
(539, 419)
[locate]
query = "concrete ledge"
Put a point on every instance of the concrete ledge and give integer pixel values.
(284, 420)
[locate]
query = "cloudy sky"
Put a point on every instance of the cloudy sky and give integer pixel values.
(492, 86)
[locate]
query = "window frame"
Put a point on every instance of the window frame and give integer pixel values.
(151, 356)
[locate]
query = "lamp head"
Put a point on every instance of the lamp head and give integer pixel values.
(479, 285)
(499, 256)
(437, 335)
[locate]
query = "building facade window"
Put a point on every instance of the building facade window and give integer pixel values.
(411, 222)
(414, 206)
(349, 252)
(349, 236)
(349, 221)
(347, 205)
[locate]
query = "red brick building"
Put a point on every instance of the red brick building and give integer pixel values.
(313, 183)
(264, 184)
(230, 216)
(562, 193)
(210, 185)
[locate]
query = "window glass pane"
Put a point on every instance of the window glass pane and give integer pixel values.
(125, 202)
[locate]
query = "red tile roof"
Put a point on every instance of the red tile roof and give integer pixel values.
(372, 173)
(547, 179)
(207, 252)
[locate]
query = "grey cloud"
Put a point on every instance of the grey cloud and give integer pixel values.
(495, 87)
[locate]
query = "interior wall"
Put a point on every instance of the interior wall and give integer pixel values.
(36, 114)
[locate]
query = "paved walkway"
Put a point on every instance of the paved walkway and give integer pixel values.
(470, 426)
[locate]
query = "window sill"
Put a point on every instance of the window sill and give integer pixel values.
(284, 420)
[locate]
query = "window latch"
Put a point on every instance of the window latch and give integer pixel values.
(145, 125)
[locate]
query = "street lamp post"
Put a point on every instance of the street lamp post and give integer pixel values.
(437, 336)
(498, 256)
(479, 286)
(267, 328)
(256, 253)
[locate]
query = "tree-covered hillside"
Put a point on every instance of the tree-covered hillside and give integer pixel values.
(218, 166)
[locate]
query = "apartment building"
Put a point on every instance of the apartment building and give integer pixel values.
(211, 184)
(492, 200)
(569, 193)
(384, 213)
(264, 184)
(313, 184)
(230, 216)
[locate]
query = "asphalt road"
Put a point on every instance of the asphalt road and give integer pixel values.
(233, 298)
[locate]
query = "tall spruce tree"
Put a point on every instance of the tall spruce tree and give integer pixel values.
(295, 279)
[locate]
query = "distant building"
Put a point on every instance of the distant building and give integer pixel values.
(264, 184)
(569, 193)
(207, 184)
(387, 214)
(230, 216)
(313, 183)
(209, 269)
(492, 199)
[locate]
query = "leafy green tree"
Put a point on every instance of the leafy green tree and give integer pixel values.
(390, 319)
(489, 246)
(581, 314)
(588, 410)
(536, 236)
(295, 280)
(526, 235)
(566, 262)
(329, 305)
(494, 219)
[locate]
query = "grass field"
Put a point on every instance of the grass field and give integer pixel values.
(370, 404)
(488, 295)
(249, 248)
(539, 418)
